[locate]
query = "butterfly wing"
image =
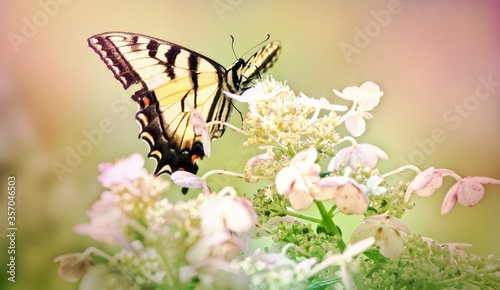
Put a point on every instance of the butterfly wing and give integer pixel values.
(259, 62)
(170, 77)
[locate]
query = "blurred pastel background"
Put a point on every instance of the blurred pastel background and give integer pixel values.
(431, 59)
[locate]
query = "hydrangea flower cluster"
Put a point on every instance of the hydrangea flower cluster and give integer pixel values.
(208, 242)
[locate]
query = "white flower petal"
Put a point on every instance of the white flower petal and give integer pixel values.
(186, 179)
(355, 124)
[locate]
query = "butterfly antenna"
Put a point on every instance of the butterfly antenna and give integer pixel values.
(232, 47)
(259, 44)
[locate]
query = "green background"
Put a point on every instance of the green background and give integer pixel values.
(427, 56)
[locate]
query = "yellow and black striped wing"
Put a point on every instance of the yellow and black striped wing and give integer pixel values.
(170, 78)
(260, 61)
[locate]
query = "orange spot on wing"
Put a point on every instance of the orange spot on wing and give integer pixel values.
(194, 158)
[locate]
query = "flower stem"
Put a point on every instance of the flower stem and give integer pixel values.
(330, 212)
(282, 147)
(401, 169)
(172, 279)
(225, 124)
(328, 223)
(221, 172)
(298, 215)
(96, 252)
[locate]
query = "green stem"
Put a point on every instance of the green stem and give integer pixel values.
(173, 279)
(298, 215)
(282, 147)
(291, 150)
(148, 236)
(328, 223)
(330, 212)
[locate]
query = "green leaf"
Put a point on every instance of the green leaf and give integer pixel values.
(323, 174)
(323, 284)
(374, 255)
(321, 229)
(372, 209)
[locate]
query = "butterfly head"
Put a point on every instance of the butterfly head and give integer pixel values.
(235, 75)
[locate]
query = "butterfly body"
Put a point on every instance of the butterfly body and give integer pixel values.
(171, 77)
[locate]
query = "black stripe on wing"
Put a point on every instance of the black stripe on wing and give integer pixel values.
(260, 62)
(113, 58)
(164, 150)
(118, 49)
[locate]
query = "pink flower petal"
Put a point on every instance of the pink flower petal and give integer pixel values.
(363, 231)
(350, 199)
(205, 139)
(322, 193)
(450, 199)
(269, 155)
(355, 123)
(386, 231)
(431, 187)
(333, 181)
(313, 174)
(199, 123)
(390, 244)
(367, 115)
(427, 182)
(367, 155)
(326, 187)
(305, 159)
(203, 248)
(123, 170)
(106, 219)
(200, 128)
(422, 179)
(285, 179)
(240, 215)
(481, 179)
(186, 179)
(470, 193)
(340, 159)
(300, 199)
(212, 217)
(471, 189)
